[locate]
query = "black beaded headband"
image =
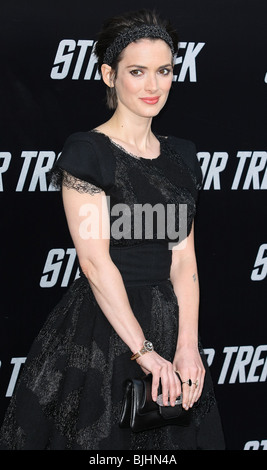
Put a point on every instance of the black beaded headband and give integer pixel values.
(131, 35)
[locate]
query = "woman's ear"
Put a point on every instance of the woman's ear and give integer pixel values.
(107, 75)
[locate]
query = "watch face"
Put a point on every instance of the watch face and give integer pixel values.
(148, 345)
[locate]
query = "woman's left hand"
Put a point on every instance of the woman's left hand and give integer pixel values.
(187, 362)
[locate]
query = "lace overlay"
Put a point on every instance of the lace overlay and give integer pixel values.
(155, 178)
(59, 178)
(71, 182)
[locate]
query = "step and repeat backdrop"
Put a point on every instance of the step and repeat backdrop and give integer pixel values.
(50, 88)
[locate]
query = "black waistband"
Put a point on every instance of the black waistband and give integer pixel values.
(146, 263)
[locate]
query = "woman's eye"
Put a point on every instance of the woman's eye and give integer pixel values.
(136, 73)
(165, 71)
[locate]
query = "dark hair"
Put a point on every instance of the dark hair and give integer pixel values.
(112, 27)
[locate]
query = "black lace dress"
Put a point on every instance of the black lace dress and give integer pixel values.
(70, 391)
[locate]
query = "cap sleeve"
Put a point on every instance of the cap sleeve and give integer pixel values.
(187, 151)
(82, 165)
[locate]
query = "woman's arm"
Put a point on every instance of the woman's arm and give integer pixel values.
(88, 222)
(89, 213)
(184, 278)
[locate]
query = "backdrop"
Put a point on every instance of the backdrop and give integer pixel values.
(50, 88)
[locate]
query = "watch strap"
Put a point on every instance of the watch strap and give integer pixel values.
(148, 347)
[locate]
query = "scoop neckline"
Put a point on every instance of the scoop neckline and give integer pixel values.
(132, 155)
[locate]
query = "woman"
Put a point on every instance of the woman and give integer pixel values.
(132, 279)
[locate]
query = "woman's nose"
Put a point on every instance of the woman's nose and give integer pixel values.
(151, 83)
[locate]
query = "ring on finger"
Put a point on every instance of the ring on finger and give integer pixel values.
(196, 383)
(188, 382)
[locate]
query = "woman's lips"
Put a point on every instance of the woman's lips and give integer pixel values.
(150, 100)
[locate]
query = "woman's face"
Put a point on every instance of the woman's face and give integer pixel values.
(144, 77)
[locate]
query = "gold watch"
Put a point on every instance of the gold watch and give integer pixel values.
(148, 347)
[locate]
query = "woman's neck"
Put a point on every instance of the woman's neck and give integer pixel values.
(131, 130)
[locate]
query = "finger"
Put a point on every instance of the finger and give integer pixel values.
(186, 394)
(201, 385)
(155, 386)
(182, 389)
(188, 389)
(178, 383)
(174, 387)
(165, 386)
(196, 391)
(193, 390)
(197, 387)
(190, 396)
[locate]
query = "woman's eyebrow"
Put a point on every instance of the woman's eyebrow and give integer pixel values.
(144, 67)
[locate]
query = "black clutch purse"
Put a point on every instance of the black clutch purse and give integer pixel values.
(140, 412)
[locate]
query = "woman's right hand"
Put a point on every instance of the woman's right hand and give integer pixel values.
(162, 371)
